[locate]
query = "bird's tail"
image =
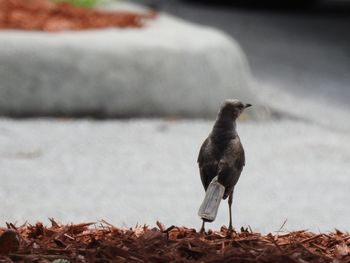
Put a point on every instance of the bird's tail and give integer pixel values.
(211, 202)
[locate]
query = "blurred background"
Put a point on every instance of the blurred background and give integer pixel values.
(102, 121)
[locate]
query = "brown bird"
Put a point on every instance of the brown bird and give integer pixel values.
(9, 242)
(221, 160)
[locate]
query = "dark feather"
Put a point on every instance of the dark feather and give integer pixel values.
(222, 155)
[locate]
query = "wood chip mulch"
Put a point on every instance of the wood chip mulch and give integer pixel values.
(44, 15)
(103, 242)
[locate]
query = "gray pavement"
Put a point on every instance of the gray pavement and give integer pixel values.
(140, 171)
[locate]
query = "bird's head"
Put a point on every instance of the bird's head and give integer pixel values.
(232, 108)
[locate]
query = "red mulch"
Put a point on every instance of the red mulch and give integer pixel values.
(103, 242)
(44, 15)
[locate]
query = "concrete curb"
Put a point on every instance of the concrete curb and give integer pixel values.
(170, 67)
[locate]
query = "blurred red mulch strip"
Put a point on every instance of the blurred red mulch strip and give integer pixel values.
(44, 15)
(103, 242)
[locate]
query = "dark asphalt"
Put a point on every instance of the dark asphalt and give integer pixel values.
(303, 51)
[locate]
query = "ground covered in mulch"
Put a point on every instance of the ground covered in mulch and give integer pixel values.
(103, 242)
(44, 15)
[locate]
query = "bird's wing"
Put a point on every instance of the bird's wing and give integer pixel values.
(230, 166)
(203, 151)
(207, 161)
(240, 157)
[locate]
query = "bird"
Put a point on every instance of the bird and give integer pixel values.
(221, 160)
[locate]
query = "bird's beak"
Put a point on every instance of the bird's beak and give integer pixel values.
(247, 105)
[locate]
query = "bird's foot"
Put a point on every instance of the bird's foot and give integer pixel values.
(202, 228)
(230, 228)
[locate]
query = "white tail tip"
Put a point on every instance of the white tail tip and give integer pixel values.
(209, 208)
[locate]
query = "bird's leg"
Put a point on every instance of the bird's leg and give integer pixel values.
(202, 228)
(230, 211)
